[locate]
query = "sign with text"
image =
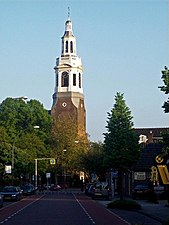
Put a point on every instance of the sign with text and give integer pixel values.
(8, 169)
(47, 175)
(139, 176)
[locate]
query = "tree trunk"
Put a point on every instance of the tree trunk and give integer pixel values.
(121, 186)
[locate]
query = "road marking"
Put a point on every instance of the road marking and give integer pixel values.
(18, 211)
(90, 218)
(114, 214)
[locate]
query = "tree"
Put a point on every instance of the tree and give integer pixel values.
(5, 151)
(121, 148)
(66, 146)
(165, 87)
(19, 140)
(92, 160)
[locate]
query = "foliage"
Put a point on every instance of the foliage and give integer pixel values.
(166, 222)
(165, 141)
(121, 148)
(121, 143)
(20, 142)
(92, 160)
(124, 204)
(66, 146)
(5, 148)
(165, 87)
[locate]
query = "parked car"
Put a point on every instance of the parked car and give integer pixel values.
(100, 190)
(141, 191)
(1, 201)
(55, 187)
(12, 193)
(28, 189)
(88, 188)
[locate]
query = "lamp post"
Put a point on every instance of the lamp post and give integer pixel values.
(36, 169)
(36, 173)
(64, 172)
(24, 98)
(13, 153)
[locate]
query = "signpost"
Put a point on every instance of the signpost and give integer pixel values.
(8, 169)
(36, 168)
(52, 161)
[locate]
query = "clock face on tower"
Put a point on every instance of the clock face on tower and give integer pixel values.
(64, 104)
(65, 74)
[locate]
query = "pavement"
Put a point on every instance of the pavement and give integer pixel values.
(149, 214)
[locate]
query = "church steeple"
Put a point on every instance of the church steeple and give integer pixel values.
(68, 39)
(68, 98)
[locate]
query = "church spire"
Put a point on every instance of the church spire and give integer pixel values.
(68, 39)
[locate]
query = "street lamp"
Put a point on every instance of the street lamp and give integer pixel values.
(36, 169)
(64, 151)
(36, 173)
(36, 164)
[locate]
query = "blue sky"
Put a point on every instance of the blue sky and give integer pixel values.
(124, 45)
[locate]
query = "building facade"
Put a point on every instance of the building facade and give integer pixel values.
(68, 98)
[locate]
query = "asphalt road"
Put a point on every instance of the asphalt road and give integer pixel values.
(58, 209)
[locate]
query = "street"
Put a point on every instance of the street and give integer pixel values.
(58, 208)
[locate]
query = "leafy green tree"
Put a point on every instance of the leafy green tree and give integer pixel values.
(165, 87)
(165, 150)
(121, 147)
(92, 160)
(66, 146)
(18, 120)
(5, 151)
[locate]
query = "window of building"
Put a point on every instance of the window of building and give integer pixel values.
(65, 79)
(66, 46)
(74, 79)
(62, 46)
(79, 80)
(57, 80)
(71, 46)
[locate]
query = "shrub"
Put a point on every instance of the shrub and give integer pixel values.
(124, 204)
(137, 223)
(166, 222)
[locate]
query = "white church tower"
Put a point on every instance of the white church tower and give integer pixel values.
(68, 98)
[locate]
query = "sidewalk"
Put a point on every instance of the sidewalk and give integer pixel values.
(150, 214)
(159, 211)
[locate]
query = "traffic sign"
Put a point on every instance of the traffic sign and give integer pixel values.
(159, 159)
(48, 175)
(52, 161)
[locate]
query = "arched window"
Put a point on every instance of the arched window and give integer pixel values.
(71, 46)
(80, 80)
(74, 79)
(57, 80)
(66, 46)
(62, 46)
(65, 79)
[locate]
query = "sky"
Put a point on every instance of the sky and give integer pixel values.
(123, 44)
